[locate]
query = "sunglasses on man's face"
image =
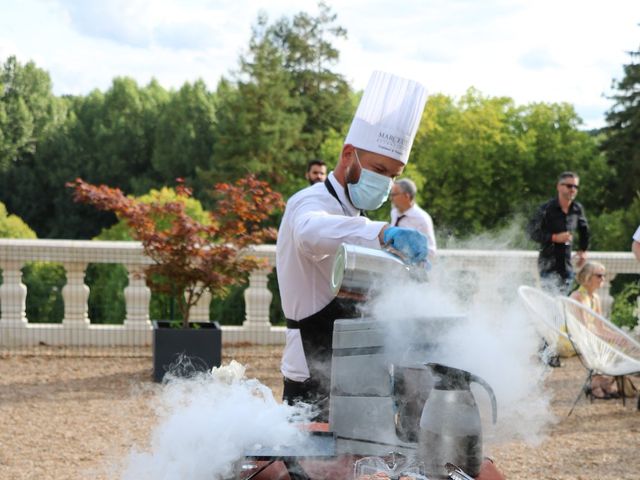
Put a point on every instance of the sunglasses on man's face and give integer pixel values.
(571, 186)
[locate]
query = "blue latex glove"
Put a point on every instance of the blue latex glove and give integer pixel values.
(411, 243)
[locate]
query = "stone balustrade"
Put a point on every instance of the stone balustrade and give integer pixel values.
(495, 268)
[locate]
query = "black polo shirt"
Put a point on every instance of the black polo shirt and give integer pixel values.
(550, 219)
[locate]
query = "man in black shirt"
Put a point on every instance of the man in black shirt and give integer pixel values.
(553, 227)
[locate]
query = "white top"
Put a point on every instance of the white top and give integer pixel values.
(416, 217)
(312, 229)
(636, 236)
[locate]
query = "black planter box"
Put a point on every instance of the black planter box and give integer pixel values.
(184, 351)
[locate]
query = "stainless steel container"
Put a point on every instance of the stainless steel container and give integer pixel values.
(376, 402)
(357, 269)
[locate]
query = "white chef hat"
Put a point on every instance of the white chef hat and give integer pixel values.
(388, 116)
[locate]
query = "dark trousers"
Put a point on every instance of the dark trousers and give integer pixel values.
(316, 332)
(309, 393)
(555, 283)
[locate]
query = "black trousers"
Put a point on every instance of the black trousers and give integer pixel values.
(316, 332)
(307, 392)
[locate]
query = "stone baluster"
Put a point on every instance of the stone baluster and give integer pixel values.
(200, 311)
(605, 295)
(75, 295)
(257, 300)
(137, 297)
(13, 296)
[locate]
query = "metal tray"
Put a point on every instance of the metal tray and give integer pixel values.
(316, 445)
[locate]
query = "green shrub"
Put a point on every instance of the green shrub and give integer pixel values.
(12, 226)
(612, 231)
(44, 282)
(107, 282)
(625, 305)
(230, 310)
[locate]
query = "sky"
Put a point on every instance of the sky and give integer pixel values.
(529, 50)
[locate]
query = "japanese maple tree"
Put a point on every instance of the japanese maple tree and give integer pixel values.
(191, 257)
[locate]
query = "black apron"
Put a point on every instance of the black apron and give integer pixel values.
(316, 332)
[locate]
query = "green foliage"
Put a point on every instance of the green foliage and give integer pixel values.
(44, 282)
(184, 133)
(28, 110)
(106, 284)
(230, 309)
(481, 160)
(191, 257)
(106, 300)
(622, 133)
(331, 148)
(555, 143)
(611, 235)
(478, 161)
(625, 306)
(193, 207)
(104, 137)
(257, 125)
(276, 315)
(324, 96)
(12, 226)
(615, 228)
(283, 104)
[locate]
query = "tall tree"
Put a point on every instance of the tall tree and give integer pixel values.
(184, 133)
(309, 56)
(28, 110)
(556, 142)
(106, 137)
(258, 124)
(622, 142)
(285, 102)
(465, 154)
(481, 160)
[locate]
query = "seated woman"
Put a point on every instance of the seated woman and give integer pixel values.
(590, 278)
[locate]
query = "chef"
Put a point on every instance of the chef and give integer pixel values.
(320, 217)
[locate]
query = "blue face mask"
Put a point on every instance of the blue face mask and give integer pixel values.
(371, 190)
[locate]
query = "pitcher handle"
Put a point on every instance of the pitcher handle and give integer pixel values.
(487, 387)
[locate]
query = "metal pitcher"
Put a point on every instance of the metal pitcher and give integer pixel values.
(356, 269)
(450, 427)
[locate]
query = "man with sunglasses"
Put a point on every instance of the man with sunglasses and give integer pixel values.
(553, 227)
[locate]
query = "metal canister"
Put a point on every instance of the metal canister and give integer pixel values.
(356, 269)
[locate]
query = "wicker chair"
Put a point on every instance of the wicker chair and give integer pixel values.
(604, 349)
(548, 318)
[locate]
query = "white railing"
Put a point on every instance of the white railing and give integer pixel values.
(15, 328)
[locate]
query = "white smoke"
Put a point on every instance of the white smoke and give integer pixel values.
(208, 422)
(489, 335)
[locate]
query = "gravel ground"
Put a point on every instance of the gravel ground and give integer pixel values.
(76, 418)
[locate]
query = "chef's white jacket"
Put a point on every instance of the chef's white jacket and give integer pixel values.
(312, 229)
(416, 217)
